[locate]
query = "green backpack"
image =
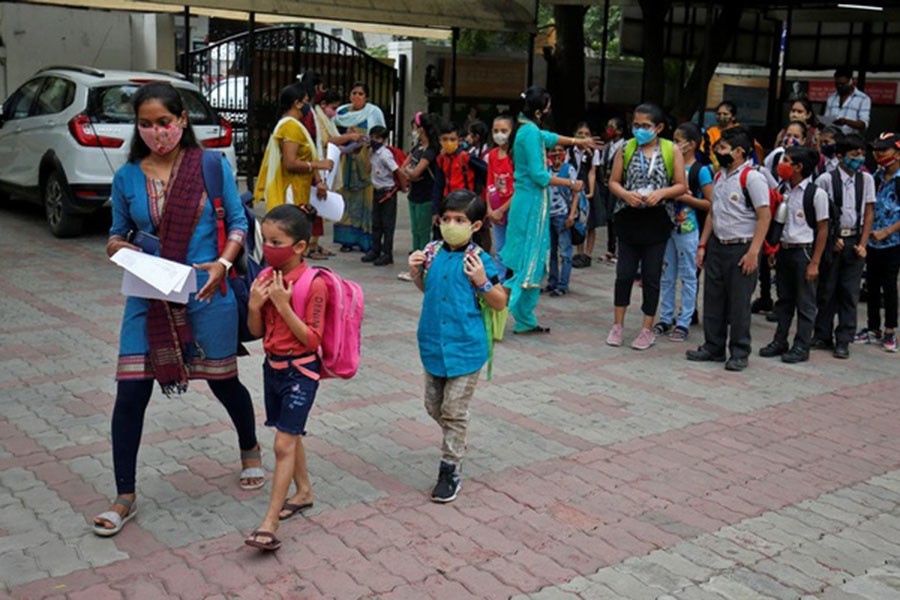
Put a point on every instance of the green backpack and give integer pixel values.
(666, 148)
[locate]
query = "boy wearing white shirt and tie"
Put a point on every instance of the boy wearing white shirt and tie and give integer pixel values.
(851, 191)
(802, 247)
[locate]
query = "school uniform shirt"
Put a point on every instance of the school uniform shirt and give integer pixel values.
(278, 339)
(775, 156)
(561, 197)
(609, 156)
(849, 218)
(731, 217)
(685, 216)
(887, 212)
(831, 164)
(796, 229)
(857, 107)
(451, 333)
(581, 161)
(383, 167)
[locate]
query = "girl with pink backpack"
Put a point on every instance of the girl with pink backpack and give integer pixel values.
(289, 308)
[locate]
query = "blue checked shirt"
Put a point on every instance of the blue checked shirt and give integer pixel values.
(858, 107)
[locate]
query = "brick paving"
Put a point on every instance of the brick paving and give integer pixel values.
(592, 473)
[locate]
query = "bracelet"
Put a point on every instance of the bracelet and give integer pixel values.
(701, 247)
(309, 166)
(227, 263)
(488, 286)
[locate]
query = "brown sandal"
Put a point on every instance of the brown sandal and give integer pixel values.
(273, 544)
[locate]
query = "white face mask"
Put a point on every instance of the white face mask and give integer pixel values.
(415, 136)
(501, 138)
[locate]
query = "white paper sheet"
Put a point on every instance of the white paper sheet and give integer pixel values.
(332, 208)
(825, 121)
(158, 278)
(333, 153)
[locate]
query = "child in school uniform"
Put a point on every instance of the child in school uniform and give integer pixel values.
(291, 368)
(384, 205)
(453, 344)
(797, 262)
(729, 251)
(500, 185)
(563, 209)
(852, 191)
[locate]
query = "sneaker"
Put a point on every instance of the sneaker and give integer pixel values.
(556, 293)
(867, 337)
(447, 487)
(679, 334)
(644, 340)
(662, 328)
(404, 276)
(616, 336)
(890, 342)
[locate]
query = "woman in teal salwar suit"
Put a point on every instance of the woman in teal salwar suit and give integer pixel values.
(528, 229)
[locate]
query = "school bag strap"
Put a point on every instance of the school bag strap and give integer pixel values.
(694, 179)
(837, 188)
(211, 165)
(666, 148)
(809, 205)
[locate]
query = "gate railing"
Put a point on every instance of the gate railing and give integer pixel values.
(242, 77)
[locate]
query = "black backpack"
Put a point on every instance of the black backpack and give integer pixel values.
(694, 189)
(837, 187)
(834, 217)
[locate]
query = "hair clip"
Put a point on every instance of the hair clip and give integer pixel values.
(522, 95)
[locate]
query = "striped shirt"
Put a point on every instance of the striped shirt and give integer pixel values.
(857, 107)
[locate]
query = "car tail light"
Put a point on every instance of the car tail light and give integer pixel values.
(224, 140)
(84, 133)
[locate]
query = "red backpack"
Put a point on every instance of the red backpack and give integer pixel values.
(457, 175)
(400, 158)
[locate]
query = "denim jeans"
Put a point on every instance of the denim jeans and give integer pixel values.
(498, 233)
(560, 252)
(680, 262)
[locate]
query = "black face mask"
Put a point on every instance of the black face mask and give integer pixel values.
(843, 89)
(828, 150)
(725, 160)
(375, 145)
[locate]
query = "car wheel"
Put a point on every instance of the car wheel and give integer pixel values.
(56, 199)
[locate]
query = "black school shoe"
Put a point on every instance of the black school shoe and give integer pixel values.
(818, 344)
(736, 364)
(448, 484)
(761, 305)
(773, 349)
(841, 350)
(383, 261)
(578, 261)
(369, 257)
(795, 355)
(701, 354)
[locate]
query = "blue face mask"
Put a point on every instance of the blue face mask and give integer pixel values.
(643, 136)
(854, 164)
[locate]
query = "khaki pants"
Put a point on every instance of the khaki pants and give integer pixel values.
(447, 401)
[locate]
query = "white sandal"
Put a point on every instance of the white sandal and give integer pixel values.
(252, 472)
(115, 518)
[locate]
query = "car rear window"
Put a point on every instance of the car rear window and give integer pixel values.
(112, 104)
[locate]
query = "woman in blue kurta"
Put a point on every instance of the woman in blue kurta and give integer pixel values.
(161, 192)
(528, 228)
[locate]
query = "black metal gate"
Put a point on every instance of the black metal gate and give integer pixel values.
(242, 77)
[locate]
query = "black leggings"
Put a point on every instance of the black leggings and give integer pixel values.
(132, 398)
(882, 266)
(646, 259)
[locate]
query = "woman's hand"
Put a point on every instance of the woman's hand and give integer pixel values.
(589, 143)
(259, 293)
(655, 198)
(474, 269)
(634, 199)
(416, 260)
(321, 190)
(577, 186)
(280, 292)
(216, 272)
(325, 165)
(114, 245)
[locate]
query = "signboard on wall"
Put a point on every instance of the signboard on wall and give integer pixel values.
(881, 92)
(752, 103)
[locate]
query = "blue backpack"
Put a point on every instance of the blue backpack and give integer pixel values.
(249, 262)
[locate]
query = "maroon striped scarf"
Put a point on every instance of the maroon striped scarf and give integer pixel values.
(169, 332)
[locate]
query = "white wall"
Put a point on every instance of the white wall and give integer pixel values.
(39, 36)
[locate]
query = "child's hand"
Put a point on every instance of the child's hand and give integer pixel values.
(474, 269)
(280, 292)
(570, 221)
(259, 293)
(416, 260)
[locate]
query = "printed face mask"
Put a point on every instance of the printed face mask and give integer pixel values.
(886, 161)
(501, 138)
(790, 142)
(854, 163)
(162, 140)
(643, 136)
(277, 256)
(456, 234)
(785, 171)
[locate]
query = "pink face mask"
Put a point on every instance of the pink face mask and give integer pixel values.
(161, 140)
(330, 111)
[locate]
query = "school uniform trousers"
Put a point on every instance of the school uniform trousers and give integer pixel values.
(727, 293)
(795, 293)
(384, 221)
(838, 293)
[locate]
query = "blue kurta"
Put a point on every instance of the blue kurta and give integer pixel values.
(528, 228)
(214, 324)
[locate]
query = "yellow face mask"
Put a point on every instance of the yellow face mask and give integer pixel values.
(456, 234)
(449, 147)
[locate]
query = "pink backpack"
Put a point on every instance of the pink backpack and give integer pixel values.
(340, 347)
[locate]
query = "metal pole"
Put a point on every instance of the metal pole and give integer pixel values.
(400, 109)
(865, 42)
(603, 48)
(532, 40)
(454, 41)
(786, 33)
(701, 111)
(186, 59)
(772, 122)
(252, 142)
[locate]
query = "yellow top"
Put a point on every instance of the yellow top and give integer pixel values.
(275, 190)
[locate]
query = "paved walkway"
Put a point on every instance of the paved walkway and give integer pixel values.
(593, 472)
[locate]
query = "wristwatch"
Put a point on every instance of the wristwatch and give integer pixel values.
(488, 286)
(227, 263)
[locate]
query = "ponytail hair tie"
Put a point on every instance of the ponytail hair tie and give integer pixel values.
(418, 119)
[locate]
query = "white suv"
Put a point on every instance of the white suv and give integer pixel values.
(66, 131)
